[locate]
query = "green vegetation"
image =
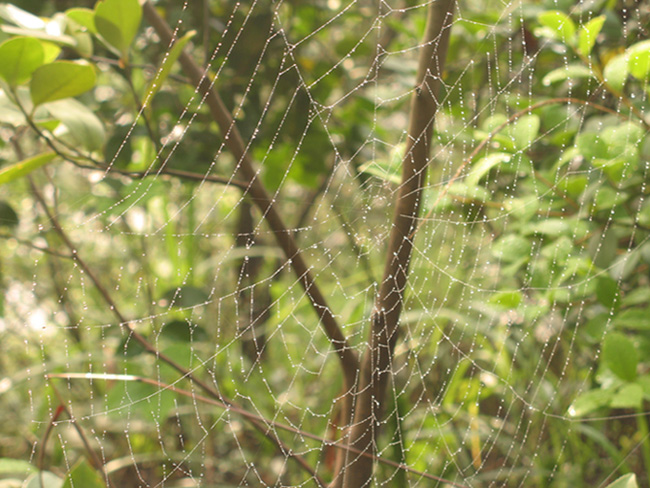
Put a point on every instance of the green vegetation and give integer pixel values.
(206, 283)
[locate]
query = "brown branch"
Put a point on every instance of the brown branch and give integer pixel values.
(137, 336)
(246, 168)
(232, 407)
(356, 471)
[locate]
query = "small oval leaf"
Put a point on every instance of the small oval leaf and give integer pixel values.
(19, 58)
(61, 79)
(588, 34)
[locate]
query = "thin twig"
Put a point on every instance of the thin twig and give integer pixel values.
(232, 407)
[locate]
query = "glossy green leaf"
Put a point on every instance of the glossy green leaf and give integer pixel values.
(638, 61)
(588, 34)
(51, 51)
(626, 481)
(620, 356)
(165, 69)
(24, 167)
(560, 24)
(61, 79)
(118, 21)
(82, 474)
(568, 73)
(616, 71)
(19, 58)
(85, 17)
(84, 128)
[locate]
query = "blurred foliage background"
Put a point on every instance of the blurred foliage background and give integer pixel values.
(526, 347)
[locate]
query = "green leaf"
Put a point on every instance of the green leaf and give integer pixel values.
(551, 227)
(588, 34)
(484, 165)
(629, 396)
(570, 72)
(560, 24)
(8, 218)
(44, 479)
(638, 61)
(590, 401)
(634, 318)
(24, 167)
(82, 474)
(167, 64)
(19, 58)
(84, 128)
(118, 21)
(524, 131)
(620, 356)
(636, 297)
(61, 79)
(626, 481)
(85, 17)
(15, 466)
(616, 71)
(506, 299)
(607, 291)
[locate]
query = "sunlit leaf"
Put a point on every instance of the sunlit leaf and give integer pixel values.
(626, 481)
(24, 167)
(588, 34)
(19, 58)
(118, 21)
(85, 17)
(560, 24)
(165, 69)
(61, 79)
(616, 71)
(638, 60)
(568, 73)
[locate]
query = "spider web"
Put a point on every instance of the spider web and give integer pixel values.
(527, 255)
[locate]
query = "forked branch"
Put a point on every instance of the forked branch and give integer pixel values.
(246, 170)
(356, 471)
